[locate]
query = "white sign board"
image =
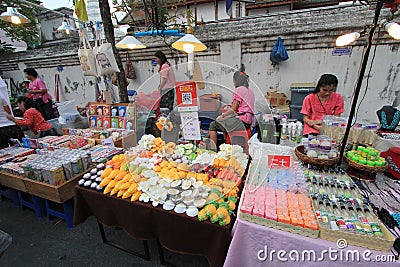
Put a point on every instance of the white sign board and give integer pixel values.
(190, 125)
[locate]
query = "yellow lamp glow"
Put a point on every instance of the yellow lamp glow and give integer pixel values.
(393, 29)
(189, 44)
(15, 20)
(347, 39)
(188, 48)
(12, 15)
(130, 42)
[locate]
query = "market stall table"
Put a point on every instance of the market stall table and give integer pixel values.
(176, 232)
(249, 238)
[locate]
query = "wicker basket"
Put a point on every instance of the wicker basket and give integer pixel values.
(363, 167)
(303, 157)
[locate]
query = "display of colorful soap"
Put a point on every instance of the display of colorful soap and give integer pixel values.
(280, 206)
(366, 156)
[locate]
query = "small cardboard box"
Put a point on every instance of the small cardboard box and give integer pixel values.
(276, 98)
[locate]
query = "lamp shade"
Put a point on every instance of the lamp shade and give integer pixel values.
(189, 43)
(130, 42)
(347, 39)
(12, 15)
(65, 26)
(393, 29)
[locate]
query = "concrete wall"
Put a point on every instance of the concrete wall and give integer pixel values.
(308, 36)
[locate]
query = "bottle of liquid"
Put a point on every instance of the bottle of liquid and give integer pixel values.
(339, 218)
(331, 216)
(373, 222)
(320, 213)
(347, 218)
(284, 134)
(356, 221)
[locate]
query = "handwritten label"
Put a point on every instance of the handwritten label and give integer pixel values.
(190, 125)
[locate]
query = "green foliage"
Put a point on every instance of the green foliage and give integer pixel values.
(159, 14)
(22, 32)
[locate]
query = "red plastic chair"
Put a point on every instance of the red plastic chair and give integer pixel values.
(239, 138)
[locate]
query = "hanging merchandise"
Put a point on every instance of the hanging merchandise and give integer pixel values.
(389, 118)
(106, 63)
(278, 53)
(129, 68)
(86, 56)
(57, 86)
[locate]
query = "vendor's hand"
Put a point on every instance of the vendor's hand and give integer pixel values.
(317, 127)
(317, 122)
(219, 118)
(10, 117)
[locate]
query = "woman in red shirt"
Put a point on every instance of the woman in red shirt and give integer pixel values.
(32, 118)
(324, 101)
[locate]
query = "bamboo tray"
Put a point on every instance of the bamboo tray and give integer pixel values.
(13, 181)
(382, 244)
(363, 167)
(299, 151)
(279, 226)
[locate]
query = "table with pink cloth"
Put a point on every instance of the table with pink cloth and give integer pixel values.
(250, 241)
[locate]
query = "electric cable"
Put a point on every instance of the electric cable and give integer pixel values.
(367, 82)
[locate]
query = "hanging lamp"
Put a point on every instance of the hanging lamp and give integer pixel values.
(12, 15)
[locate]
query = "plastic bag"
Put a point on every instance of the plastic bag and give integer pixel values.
(68, 112)
(278, 53)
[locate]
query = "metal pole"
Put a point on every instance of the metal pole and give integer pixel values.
(364, 63)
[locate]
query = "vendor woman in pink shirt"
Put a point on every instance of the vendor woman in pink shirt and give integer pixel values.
(41, 98)
(322, 102)
(240, 115)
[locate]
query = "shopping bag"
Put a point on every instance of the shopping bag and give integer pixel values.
(106, 63)
(278, 53)
(129, 68)
(86, 57)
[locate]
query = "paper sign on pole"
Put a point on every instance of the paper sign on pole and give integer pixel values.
(186, 96)
(190, 125)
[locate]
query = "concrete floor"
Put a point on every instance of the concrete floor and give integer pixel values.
(37, 242)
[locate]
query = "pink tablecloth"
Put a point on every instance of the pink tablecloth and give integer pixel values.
(251, 241)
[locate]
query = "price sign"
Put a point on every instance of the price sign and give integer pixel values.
(190, 125)
(186, 96)
(278, 161)
(108, 142)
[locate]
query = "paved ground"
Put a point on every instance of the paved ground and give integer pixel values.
(37, 242)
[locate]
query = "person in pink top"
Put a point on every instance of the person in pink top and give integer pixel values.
(41, 98)
(167, 81)
(240, 115)
(322, 102)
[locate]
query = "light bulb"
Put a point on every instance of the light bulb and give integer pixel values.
(188, 48)
(393, 29)
(131, 46)
(347, 38)
(67, 31)
(15, 20)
